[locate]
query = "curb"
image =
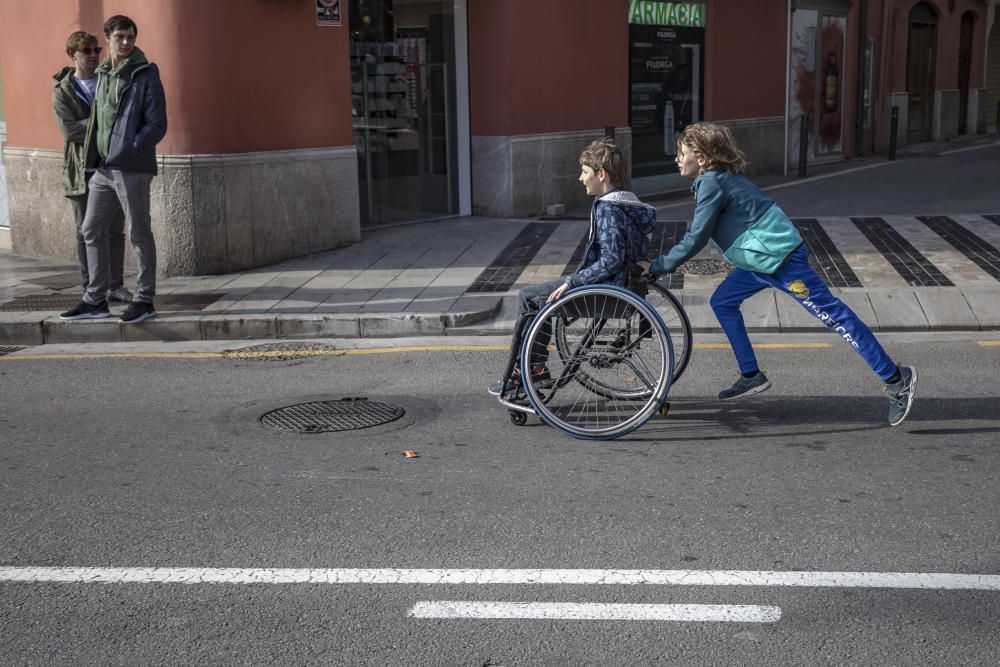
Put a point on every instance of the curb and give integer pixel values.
(41, 328)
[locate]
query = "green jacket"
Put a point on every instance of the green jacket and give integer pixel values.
(129, 116)
(72, 116)
(108, 95)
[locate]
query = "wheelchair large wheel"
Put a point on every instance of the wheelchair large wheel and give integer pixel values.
(609, 337)
(677, 325)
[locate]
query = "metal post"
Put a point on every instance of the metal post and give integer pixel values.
(859, 102)
(998, 118)
(803, 144)
(893, 127)
(366, 119)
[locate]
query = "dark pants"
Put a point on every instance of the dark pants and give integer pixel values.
(530, 300)
(116, 243)
(797, 279)
(113, 193)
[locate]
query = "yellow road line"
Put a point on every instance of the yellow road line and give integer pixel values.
(431, 348)
(114, 355)
(989, 343)
(763, 346)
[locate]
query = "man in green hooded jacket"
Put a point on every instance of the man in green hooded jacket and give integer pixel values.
(73, 90)
(128, 119)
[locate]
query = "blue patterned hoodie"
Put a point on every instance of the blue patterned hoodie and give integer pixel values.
(620, 226)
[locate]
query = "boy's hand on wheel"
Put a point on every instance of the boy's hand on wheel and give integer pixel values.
(557, 294)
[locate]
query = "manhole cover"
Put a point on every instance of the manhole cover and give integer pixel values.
(347, 414)
(282, 351)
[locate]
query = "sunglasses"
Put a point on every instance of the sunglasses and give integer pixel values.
(88, 50)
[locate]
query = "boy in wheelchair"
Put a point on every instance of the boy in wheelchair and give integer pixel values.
(620, 227)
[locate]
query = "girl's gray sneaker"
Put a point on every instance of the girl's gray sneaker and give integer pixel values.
(901, 395)
(746, 387)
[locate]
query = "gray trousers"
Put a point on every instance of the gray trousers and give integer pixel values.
(116, 243)
(112, 193)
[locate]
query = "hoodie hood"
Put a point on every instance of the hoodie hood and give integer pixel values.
(642, 214)
(136, 58)
(62, 75)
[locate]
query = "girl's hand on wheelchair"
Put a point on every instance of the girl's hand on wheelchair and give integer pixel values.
(557, 294)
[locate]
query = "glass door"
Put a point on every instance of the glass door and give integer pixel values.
(403, 73)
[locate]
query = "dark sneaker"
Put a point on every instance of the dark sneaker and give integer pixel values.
(121, 295)
(746, 387)
(901, 395)
(494, 389)
(137, 312)
(85, 311)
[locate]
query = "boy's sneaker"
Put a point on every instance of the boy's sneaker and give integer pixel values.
(746, 387)
(120, 294)
(85, 311)
(541, 378)
(901, 395)
(137, 311)
(494, 389)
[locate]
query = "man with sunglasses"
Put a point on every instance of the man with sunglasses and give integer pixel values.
(128, 119)
(72, 99)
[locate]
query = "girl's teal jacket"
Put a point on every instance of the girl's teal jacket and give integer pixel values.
(744, 224)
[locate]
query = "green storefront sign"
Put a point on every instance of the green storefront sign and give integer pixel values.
(683, 14)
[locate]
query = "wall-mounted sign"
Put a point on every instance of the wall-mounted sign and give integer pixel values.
(666, 82)
(681, 14)
(328, 12)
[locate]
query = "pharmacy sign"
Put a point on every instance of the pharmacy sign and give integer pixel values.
(682, 14)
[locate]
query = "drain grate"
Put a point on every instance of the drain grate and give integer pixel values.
(346, 414)
(41, 302)
(7, 349)
(282, 351)
(60, 302)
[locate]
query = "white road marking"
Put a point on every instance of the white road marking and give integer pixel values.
(176, 575)
(597, 612)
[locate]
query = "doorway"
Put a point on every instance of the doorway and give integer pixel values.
(920, 55)
(816, 81)
(409, 92)
(964, 67)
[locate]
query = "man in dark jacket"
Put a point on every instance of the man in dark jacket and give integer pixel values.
(128, 119)
(72, 99)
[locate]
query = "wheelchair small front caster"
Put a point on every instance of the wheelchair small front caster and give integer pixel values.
(664, 409)
(517, 418)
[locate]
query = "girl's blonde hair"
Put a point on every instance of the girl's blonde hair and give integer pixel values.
(715, 144)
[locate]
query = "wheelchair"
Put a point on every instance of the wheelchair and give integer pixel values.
(610, 356)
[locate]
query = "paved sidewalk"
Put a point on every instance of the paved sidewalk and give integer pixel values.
(899, 272)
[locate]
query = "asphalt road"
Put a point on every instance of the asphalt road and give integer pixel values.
(139, 462)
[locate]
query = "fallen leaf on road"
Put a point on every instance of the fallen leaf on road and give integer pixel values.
(410, 454)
